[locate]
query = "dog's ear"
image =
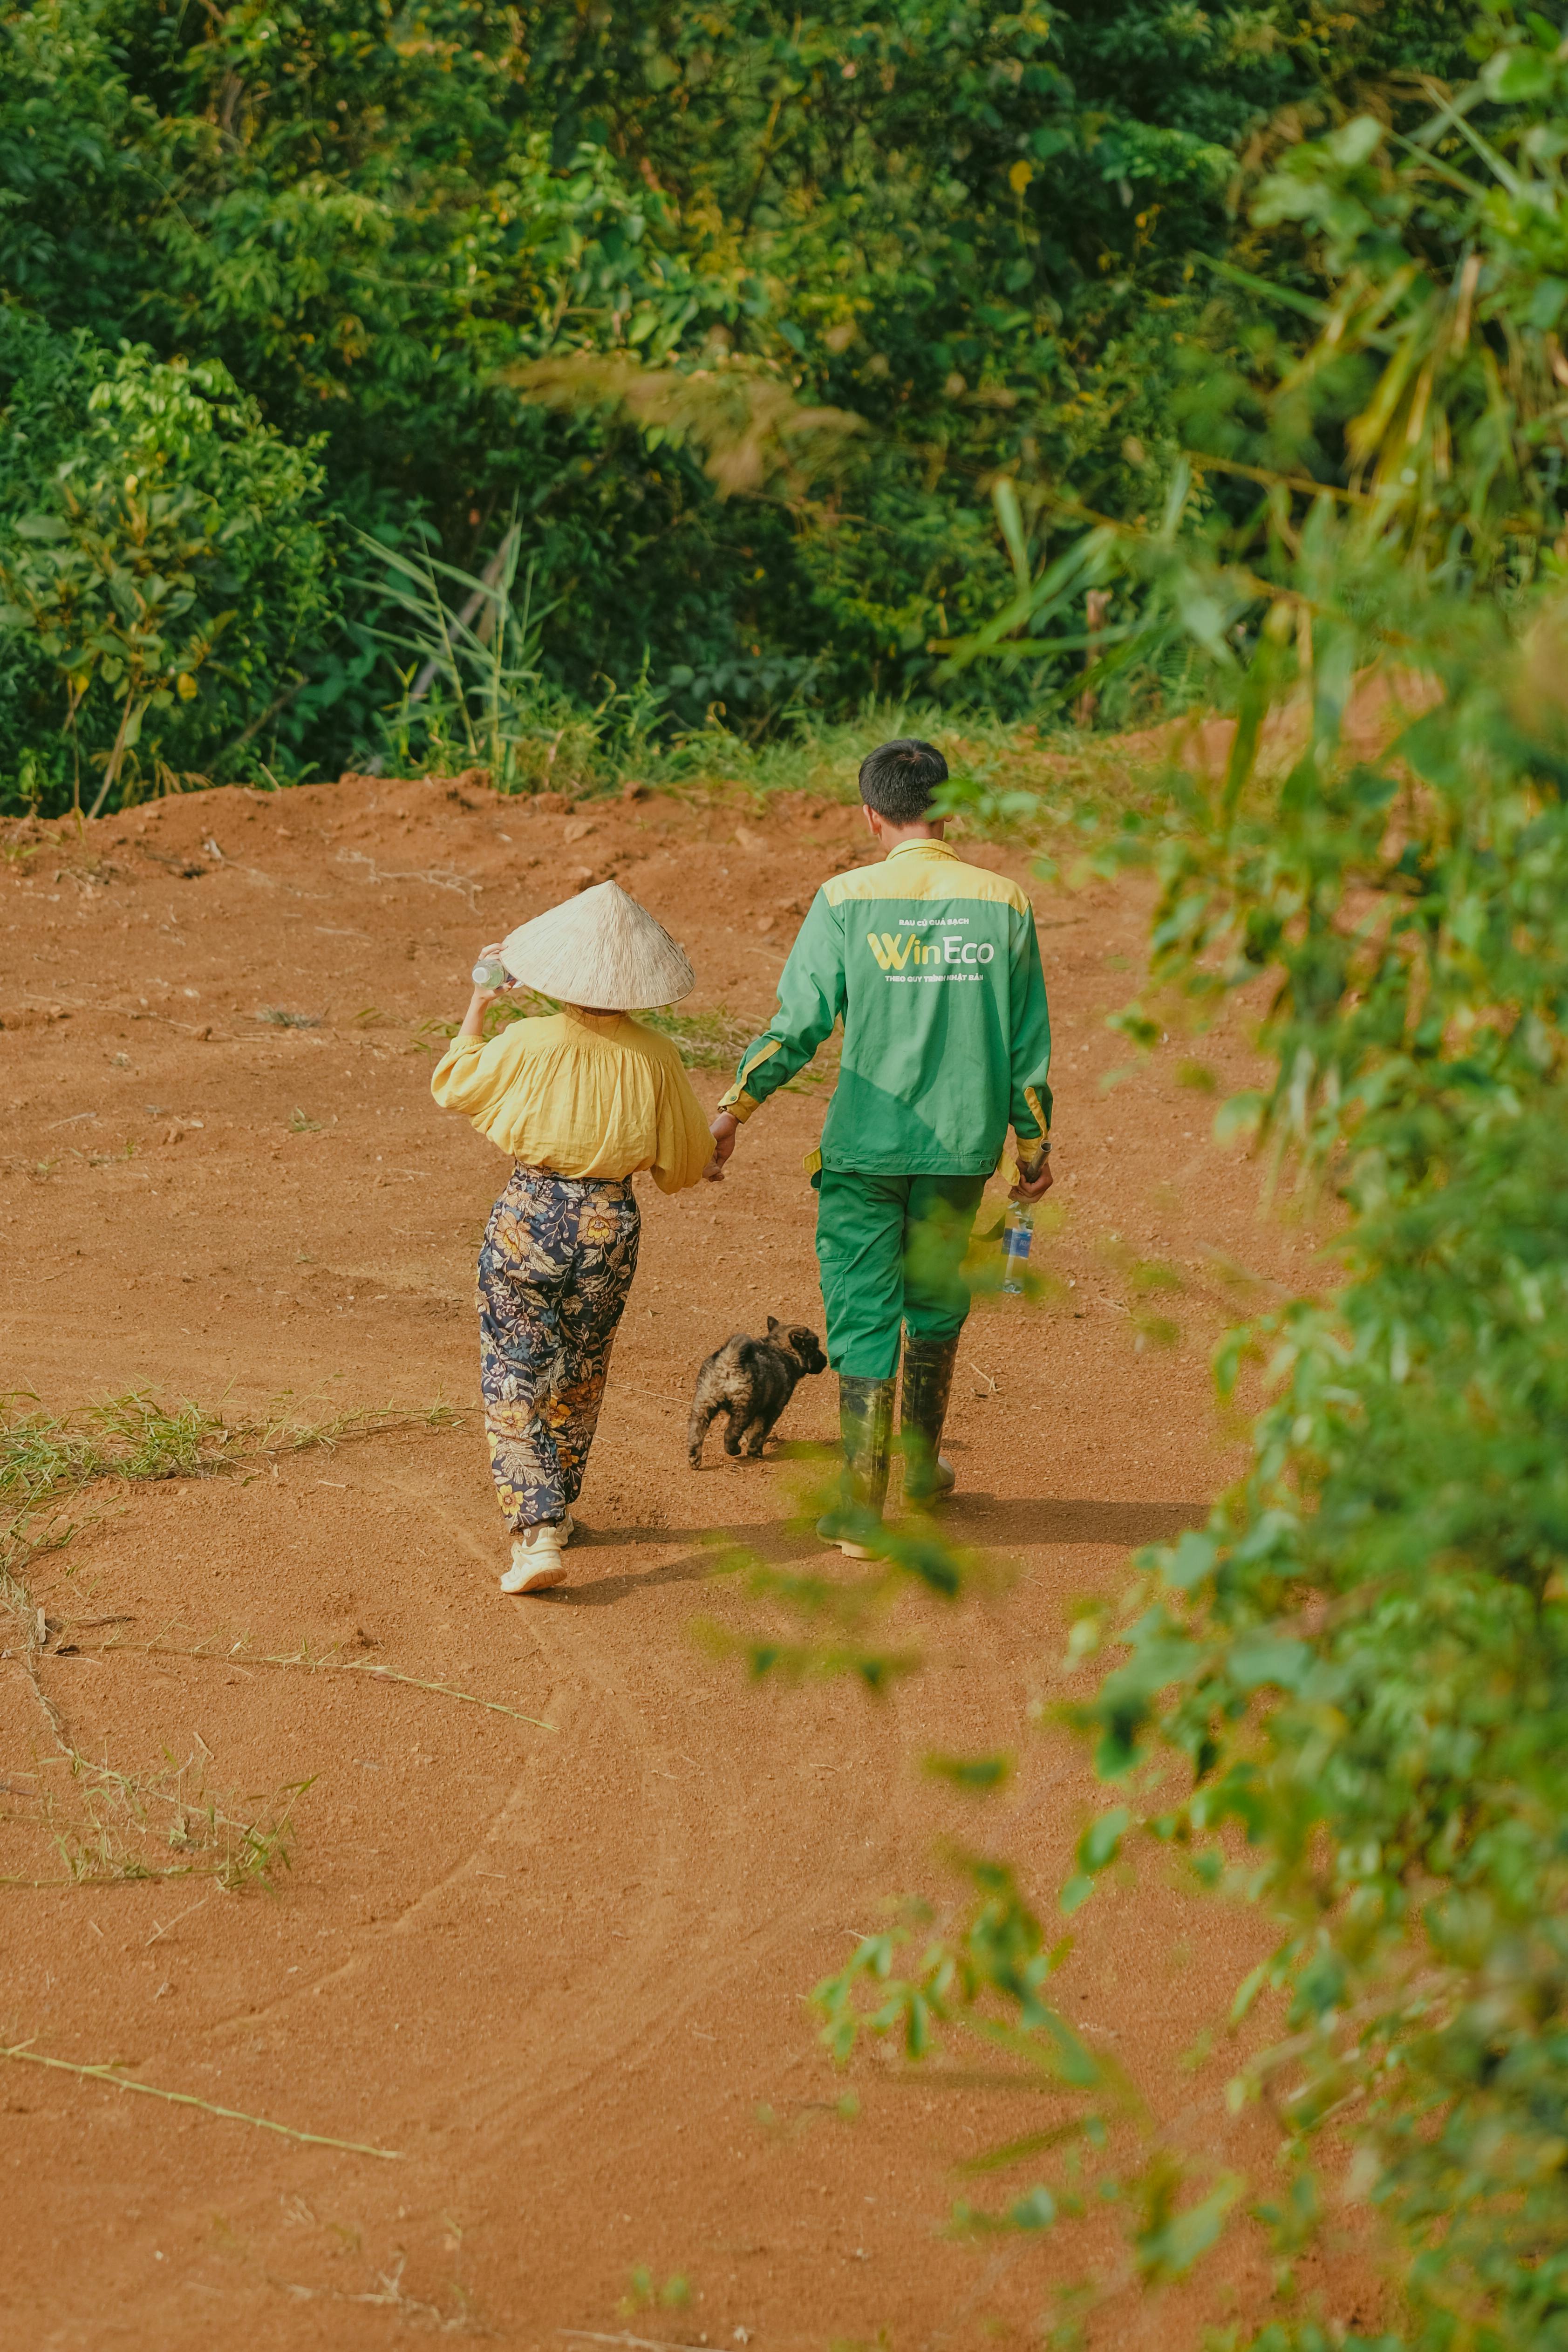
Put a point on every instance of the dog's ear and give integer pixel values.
(772, 1325)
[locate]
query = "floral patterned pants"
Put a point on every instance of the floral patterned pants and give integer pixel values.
(555, 1266)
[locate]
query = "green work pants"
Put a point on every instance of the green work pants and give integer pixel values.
(891, 1250)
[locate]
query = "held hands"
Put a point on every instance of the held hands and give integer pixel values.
(723, 1128)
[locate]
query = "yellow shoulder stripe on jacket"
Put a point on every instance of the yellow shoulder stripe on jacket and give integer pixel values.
(911, 877)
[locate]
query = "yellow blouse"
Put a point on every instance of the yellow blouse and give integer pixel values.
(583, 1093)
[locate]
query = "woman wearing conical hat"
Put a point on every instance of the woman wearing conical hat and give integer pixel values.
(582, 1101)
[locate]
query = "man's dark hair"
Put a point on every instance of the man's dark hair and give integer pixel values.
(898, 778)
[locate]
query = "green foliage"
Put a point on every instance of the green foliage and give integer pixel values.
(1361, 1661)
(1343, 1701)
(43, 1456)
(982, 236)
(644, 2293)
(822, 1625)
(160, 571)
(473, 693)
(46, 1456)
(713, 1040)
(999, 1950)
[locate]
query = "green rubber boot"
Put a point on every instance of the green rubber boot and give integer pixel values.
(929, 1477)
(866, 1422)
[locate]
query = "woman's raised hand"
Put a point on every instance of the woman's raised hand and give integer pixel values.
(482, 998)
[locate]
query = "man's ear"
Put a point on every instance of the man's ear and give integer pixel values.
(873, 825)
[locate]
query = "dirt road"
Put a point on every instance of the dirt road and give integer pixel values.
(558, 1971)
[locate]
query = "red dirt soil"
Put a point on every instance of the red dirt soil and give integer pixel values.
(559, 1971)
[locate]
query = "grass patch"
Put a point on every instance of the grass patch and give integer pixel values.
(123, 1824)
(823, 758)
(43, 1454)
(706, 1041)
(45, 1457)
(991, 757)
(107, 1826)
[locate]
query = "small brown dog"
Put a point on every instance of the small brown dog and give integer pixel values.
(752, 1381)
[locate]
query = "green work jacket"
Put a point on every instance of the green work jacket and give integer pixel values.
(935, 968)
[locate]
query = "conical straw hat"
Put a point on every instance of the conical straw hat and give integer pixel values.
(601, 950)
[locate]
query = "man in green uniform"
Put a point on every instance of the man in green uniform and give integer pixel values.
(935, 968)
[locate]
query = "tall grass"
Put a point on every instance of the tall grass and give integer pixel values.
(471, 694)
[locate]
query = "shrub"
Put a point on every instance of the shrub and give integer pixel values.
(1345, 1700)
(163, 567)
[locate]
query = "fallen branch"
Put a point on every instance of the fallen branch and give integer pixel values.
(391, 2298)
(391, 1675)
(641, 2343)
(302, 1660)
(100, 1879)
(107, 2074)
(438, 877)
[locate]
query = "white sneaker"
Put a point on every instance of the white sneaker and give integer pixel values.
(536, 1561)
(566, 1528)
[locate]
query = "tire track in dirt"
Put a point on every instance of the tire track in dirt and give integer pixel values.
(624, 2000)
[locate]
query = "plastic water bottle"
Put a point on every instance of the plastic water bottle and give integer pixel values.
(1018, 1232)
(490, 973)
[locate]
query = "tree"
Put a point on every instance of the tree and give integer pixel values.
(987, 234)
(164, 567)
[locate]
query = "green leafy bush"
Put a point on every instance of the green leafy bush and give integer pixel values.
(1344, 1700)
(987, 234)
(164, 569)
